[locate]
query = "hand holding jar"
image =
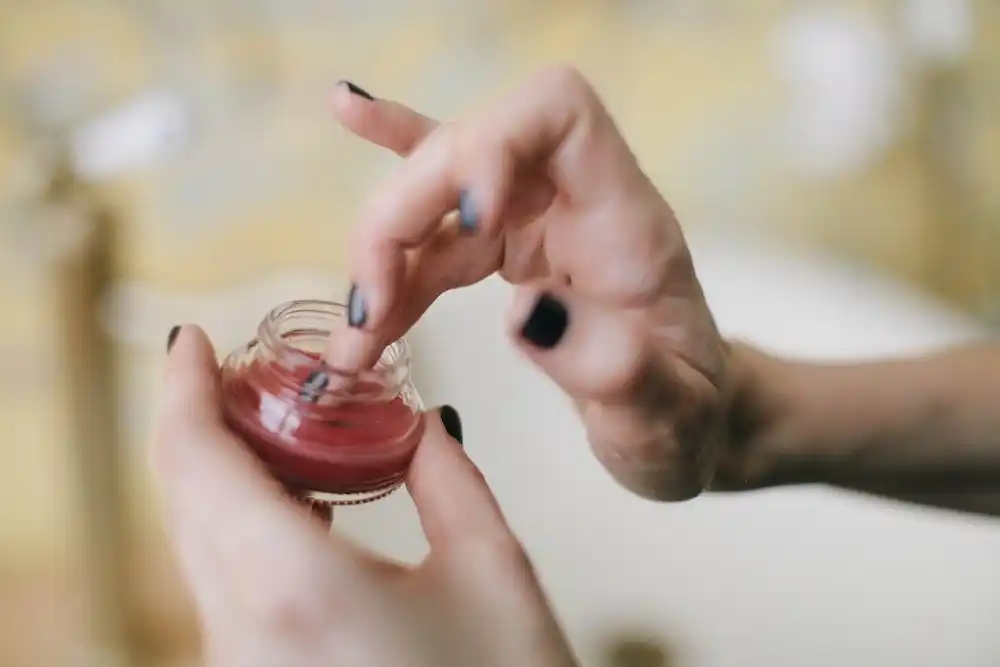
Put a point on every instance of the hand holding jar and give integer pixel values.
(274, 587)
(542, 189)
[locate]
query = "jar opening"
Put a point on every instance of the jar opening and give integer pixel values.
(297, 334)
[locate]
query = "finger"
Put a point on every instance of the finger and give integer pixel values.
(455, 504)
(636, 401)
(207, 473)
(557, 121)
(441, 264)
(234, 525)
(379, 282)
(591, 351)
(385, 123)
(447, 260)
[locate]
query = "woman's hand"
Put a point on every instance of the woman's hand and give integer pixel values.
(543, 189)
(273, 587)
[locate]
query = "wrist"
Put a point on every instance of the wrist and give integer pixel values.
(805, 423)
(765, 444)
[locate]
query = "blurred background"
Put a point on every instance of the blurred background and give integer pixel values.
(166, 161)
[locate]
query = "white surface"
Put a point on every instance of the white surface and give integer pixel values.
(802, 577)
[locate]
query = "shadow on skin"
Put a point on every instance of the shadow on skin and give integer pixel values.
(637, 650)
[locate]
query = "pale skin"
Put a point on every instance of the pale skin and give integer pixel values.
(273, 587)
(561, 208)
(923, 430)
(671, 408)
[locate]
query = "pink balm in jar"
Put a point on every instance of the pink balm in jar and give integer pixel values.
(328, 437)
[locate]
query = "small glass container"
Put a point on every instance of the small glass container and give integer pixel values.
(330, 437)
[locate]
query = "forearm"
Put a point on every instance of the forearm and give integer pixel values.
(924, 429)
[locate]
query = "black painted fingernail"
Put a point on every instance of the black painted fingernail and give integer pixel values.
(314, 386)
(452, 422)
(321, 510)
(357, 311)
(172, 338)
(547, 323)
(468, 220)
(360, 92)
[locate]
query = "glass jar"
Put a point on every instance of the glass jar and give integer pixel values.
(330, 437)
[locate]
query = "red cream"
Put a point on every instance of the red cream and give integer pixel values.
(343, 446)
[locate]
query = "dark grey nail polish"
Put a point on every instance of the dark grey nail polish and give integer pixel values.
(314, 386)
(172, 338)
(357, 310)
(452, 422)
(468, 220)
(357, 90)
(547, 323)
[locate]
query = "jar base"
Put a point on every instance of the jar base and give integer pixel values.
(344, 499)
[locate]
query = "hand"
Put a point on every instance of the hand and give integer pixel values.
(273, 587)
(549, 195)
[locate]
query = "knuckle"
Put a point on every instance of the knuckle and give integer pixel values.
(450, 140)
(490, 553)
(477, 476)
(292, 610)
(504, 553)
(466, 146)
(625, 370)
(614, 365)
(514, 273)
(568, 80)
(291, 617)
(513, 555)
(477, 147)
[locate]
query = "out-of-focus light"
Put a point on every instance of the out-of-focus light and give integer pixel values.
(845, 87)
(938, 30)
(131, 136)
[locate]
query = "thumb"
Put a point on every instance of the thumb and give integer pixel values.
(635, 403)
(234, 526)
(192, 391)
(196, 457)
(592, 352)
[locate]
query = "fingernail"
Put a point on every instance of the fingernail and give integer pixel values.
(452, 422)
(356, 90)
(172, 338)
(320, 510)
(547, 323)
(357, 311)
(468, 221)
(314, 386)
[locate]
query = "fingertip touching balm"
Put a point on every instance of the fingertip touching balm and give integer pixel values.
(329, 437)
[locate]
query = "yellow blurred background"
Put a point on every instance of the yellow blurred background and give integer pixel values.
(164, 158)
